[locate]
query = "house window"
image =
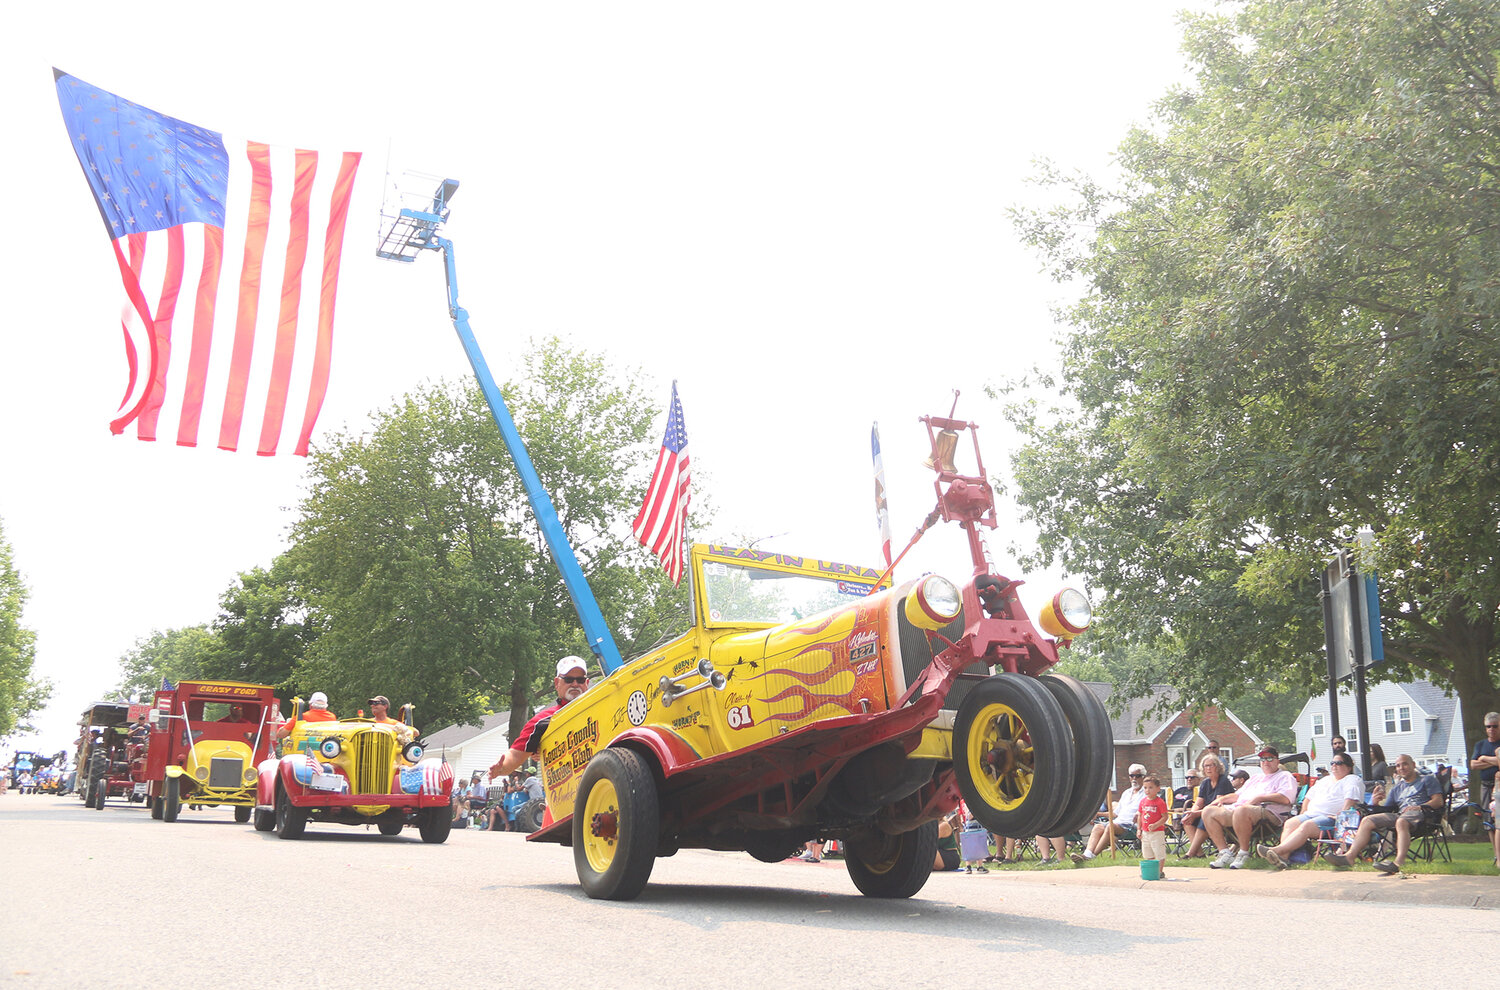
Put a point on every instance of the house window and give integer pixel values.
(1317, 720)
(1398, 719)
(1351, 736)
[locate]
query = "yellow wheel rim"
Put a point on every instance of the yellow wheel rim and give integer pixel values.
(601, 825)
(1000, 757)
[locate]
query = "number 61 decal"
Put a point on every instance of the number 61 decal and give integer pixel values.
(739, 717)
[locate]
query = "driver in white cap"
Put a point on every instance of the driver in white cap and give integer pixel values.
(571, 681)
(317, 711)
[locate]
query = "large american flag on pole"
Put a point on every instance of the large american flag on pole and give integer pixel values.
(661, 523)
(177, 205)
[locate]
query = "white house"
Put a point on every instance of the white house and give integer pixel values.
(471, 748)
(1419, 718)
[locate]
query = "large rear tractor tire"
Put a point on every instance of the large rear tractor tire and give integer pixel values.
(170, 802)
(616, 825)
(1013, 755)
(884, 865)
(1093, 752)
(529, 816)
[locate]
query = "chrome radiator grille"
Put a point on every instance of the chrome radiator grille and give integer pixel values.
(374, 756)
(225, 772)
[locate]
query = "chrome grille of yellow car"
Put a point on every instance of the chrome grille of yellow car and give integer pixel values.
(224, 772)
(374, 755)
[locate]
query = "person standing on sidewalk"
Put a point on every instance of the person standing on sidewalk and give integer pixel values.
(1485, 760)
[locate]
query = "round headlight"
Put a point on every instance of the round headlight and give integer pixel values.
(249, 775)
(201, 773)
(933, 603)
(329, 748)
(1067, 614)
(413, 752)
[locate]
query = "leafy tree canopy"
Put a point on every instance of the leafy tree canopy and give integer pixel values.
(183, 654)
(419, 557)
(1288, 330)
(263, 629)
(21, 694)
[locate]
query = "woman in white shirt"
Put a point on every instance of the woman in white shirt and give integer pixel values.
(1336, 793)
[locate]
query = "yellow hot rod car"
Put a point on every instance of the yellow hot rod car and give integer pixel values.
(812, 699)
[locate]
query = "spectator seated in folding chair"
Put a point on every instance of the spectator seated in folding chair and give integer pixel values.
(1415, 800)
(1266, 797)
(1324, 801)
(1213, 783)
(1119, 824)
(1430, 837)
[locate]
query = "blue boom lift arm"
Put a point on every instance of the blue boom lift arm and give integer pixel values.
(415, 231)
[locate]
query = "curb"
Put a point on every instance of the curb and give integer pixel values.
(1366, 886)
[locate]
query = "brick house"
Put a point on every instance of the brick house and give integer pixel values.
(1168, 745)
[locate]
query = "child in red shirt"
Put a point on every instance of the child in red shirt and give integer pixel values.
(1153, 822)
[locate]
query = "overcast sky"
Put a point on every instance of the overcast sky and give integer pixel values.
(797, 210)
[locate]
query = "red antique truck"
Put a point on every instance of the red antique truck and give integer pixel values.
(206, 739)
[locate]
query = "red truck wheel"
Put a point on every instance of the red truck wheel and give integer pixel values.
(170, 805)
(884, 865)
(616, 822)
(1013, 755)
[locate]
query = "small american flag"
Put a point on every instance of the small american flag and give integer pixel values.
(178, 206)
(663, 517)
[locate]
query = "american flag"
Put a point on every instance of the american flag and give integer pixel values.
(663, 517)
(175, 202)
(882, 509)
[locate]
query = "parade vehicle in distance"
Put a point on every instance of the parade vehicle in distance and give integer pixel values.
(27, 761)
(103, 766)
(206, 739)
(812, 699)
(355, 771)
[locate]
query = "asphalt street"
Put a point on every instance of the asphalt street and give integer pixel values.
(96, 897)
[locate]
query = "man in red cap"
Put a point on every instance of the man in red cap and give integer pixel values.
(1266, 797)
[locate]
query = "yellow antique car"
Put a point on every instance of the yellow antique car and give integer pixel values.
(812, 699)
(354, 771)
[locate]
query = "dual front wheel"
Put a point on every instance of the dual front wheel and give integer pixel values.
(1033, 755)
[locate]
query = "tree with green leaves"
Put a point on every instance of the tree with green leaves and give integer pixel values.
(425, 573)
(263, 628)
(21, 693)
(1289, 329)
(184, 654)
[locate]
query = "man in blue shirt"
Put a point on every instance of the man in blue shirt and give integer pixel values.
(1414, 798)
